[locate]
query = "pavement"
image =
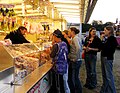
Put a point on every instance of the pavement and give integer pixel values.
(116, 72)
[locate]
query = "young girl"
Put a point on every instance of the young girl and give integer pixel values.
(59, 54)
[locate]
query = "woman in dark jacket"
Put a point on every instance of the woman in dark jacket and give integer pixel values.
(109, 44)
(91, 47)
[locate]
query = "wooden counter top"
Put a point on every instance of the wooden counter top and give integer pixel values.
(33, 78)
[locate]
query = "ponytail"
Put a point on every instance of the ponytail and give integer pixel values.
(65, 40)
(75, 30)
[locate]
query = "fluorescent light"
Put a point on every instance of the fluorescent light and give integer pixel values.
(68, 10)
(66, 6)
(72, 20)
(69, 18)
(70, 13)
(73, 16)
(65, 1)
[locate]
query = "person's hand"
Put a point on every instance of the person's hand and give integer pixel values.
(1, 44)
(102, 36)
(88, 49)
(84, 48)
(48, 50)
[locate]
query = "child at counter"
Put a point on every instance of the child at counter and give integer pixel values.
(59, 53)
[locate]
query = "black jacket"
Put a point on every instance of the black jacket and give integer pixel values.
(16, 37)
(96, 43)
(108, 47)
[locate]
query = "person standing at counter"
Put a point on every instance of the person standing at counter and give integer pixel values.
(17, 36)
(109, 44)
(59, 54)
(65, 33)
(75, 61)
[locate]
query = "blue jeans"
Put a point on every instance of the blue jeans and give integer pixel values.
(108, 85)
(65, 79)
(74, 81)
(90, 64)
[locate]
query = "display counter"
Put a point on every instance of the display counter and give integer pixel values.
(40, 74)
(29, 71)
(39, 81)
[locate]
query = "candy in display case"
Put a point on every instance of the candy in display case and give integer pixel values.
(44, 55)
(24, 58)
(19, 60)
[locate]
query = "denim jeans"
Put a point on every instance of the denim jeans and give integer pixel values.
(108, 85)
(65, 79)
(74, 77)
(90, 64)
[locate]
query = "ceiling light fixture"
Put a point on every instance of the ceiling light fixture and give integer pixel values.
(68, 10)
(65, 1)
(63, 6)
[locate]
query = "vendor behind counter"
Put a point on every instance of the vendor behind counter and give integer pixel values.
(17, 36)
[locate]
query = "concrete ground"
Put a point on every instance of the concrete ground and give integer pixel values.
(116, 72)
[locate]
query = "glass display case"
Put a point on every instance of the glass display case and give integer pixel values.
(44, 53)
(24, 58)
(19, 60)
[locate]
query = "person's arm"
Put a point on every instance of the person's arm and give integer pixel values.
(7, 36)
(93, 49)
(112, 44)
(21, 39)
(54, 51)
(78, 49)
(25, 40)
(77, 45)
(97, 43)
(85, 44)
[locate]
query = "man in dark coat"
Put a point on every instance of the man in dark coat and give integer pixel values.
(17, 36)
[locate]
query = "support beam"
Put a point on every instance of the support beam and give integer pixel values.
(90, 9)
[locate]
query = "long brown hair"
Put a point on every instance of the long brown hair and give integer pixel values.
(66, 32)
(92, 28)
